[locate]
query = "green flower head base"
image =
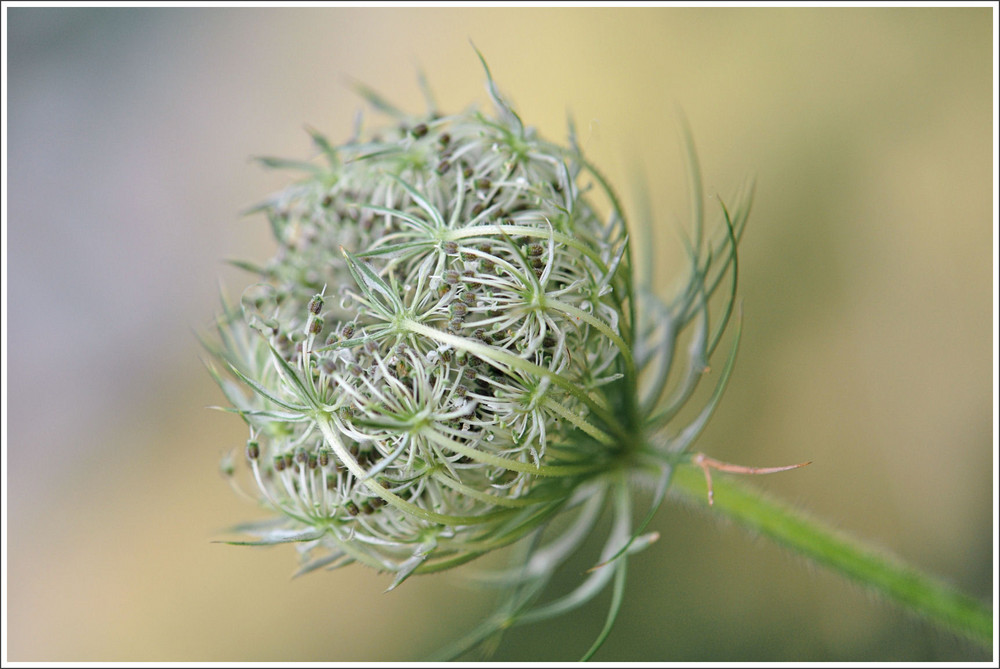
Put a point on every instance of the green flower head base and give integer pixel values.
(453, 347)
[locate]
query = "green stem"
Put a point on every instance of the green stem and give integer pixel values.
(914, 590)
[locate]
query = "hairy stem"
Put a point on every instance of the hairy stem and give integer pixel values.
(912, 589)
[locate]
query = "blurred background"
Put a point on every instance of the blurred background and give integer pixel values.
(865, 278)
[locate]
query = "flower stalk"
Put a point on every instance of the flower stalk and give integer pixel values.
(921, 594)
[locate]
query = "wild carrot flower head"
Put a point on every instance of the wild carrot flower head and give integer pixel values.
(451, 348)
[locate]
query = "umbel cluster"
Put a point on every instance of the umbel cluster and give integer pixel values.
(453, 346)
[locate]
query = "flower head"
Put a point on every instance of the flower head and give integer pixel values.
(451, 348)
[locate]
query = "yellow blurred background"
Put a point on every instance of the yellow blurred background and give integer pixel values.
(865, 278)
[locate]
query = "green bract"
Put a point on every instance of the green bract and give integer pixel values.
(452, 347)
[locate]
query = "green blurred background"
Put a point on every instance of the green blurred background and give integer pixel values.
(865, 276)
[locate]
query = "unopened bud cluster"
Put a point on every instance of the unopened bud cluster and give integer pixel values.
(443, 301)
(452, 352)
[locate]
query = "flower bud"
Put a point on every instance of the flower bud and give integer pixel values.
(315, 304)
(478, 377)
